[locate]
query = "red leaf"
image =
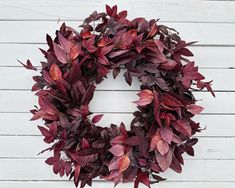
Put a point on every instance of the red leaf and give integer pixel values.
(88, 95)
(104, 41)
(162, 147)
(117, 150)
(124, 163)
(128, 77)
(182, 126)
(49, 135)
(176, 139)
(164, 161)
(111, 11)
(117, 53)
(132, 141)
(129, 37)
(171, 101)
(166, 134)
(185, 52)
(60, 53)
(154, 141)
(89, 44)
(85, 143)
(55, 72)
(65, 44)
(192, 142)
(118, 140)
(122, 14)
(97, 118)
(175, 165)
(146, 97)
(28, 65)
(85, 156)
(168, 65)
(157, 108)
(194, 109)
(75, 51)
(76, 174)
(116, 71)
(142, 177)
(153, 31)
(189, 150)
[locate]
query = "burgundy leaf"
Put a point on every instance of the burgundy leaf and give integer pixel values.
(164, 161)
(183, 127)
(55, 72)
(194, 109)
(97, 118)
(146, 97)
(116, 71)
(166, 134)
(157, 108)
(28, 65)
(117, 150)
(60, 54)
(162, 147)
(124, 163)
(171, 101)
(132, 141)
(128, 77)
(185, 52)
(65, 44)
(77, 170)
(88, 94)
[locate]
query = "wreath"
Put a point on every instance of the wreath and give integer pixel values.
(162, 127)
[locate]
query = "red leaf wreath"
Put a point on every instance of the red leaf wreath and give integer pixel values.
(162, 127)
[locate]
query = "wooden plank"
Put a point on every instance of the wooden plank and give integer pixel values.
(21, 184)
(115, 101)
(44, 9)
(169, 10)
(31, 169)
(19, 124)
(207, 148)
(205, 33)
(20, 78)
(205, 57)
(106, 184)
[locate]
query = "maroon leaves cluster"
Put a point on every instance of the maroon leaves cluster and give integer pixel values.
(162, 128)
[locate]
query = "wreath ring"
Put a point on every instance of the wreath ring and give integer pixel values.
(162, 128)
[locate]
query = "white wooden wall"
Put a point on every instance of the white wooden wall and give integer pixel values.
(23, 25)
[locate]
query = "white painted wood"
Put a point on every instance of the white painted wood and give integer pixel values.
(193, 170)
(168, 10)
(20, 78)
(205, 57)
(27, 21)
(204, 149)
(205, 33)
(166, 184)
(19, 124)
(115, 101)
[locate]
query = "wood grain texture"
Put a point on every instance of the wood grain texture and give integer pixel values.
(18, 124)
(24, 25)
(205, 33)
(166, 184)
(167, 10)
(115, 101)
(31, 169)
(205, 56)
(97, 184)
(205, 149)
(24, 80)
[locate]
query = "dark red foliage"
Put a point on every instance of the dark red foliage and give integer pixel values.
(162, 128)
